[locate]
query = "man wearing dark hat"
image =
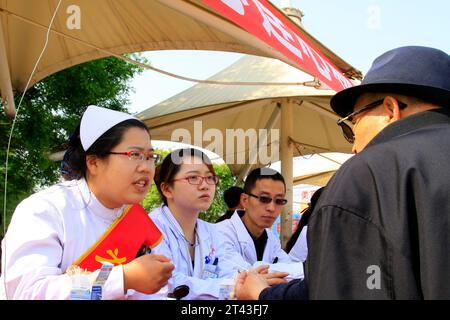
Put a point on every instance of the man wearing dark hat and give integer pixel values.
(381, 229)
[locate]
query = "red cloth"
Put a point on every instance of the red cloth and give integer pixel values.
(123, 239)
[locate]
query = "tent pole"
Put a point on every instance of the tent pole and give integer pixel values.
(5, 79)
(286, 157)
(262, 141)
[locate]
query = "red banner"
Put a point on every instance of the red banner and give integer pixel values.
(262, 20)
(123, 239)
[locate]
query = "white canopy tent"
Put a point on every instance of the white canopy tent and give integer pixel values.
(227, 119)
(84, 30)
(316, 169)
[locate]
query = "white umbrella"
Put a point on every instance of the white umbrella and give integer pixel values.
(298, 119)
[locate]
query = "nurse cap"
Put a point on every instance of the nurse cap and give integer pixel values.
(96, 121)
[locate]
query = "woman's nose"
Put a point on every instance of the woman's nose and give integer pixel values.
(203, 185)
(146, 166)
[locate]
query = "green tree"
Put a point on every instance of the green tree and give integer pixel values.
(153, 200)
(50, 111)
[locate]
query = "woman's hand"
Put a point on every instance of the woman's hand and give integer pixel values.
(147, 274)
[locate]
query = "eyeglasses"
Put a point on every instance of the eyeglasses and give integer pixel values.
(137, 155)
(347, 131)
(198, 180)
(266, 199)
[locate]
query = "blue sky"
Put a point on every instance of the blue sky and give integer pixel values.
(356, 30)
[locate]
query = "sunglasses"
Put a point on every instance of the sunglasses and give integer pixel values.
(266, 199)
(347, 131)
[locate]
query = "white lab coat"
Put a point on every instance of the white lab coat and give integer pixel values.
(239, 245)
(209, 244)
(299, 251)
(48, 232)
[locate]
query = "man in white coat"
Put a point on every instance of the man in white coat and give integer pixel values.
(248, 233)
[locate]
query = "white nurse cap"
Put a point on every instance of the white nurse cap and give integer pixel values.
(96, 121)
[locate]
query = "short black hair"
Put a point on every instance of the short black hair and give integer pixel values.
(259, 174)
(232, 196)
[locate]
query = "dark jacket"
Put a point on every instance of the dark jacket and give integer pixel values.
(293, 290)
(381, 229)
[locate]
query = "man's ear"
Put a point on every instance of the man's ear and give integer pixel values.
(92, 163)
(244, 200)
(392, 108)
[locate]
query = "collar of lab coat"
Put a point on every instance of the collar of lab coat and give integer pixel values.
(203, 237)
(246, 241)
(202, 232)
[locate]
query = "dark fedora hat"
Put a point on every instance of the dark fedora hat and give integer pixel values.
(414, 71)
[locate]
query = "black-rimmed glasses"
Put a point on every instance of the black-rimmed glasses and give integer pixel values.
(266, 199)
(347, 131)
(137, 155)
(198, 180)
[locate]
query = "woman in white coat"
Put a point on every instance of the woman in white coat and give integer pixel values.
(187, 183)
(112, 164)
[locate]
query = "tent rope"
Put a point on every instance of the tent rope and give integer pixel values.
(11, 133)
